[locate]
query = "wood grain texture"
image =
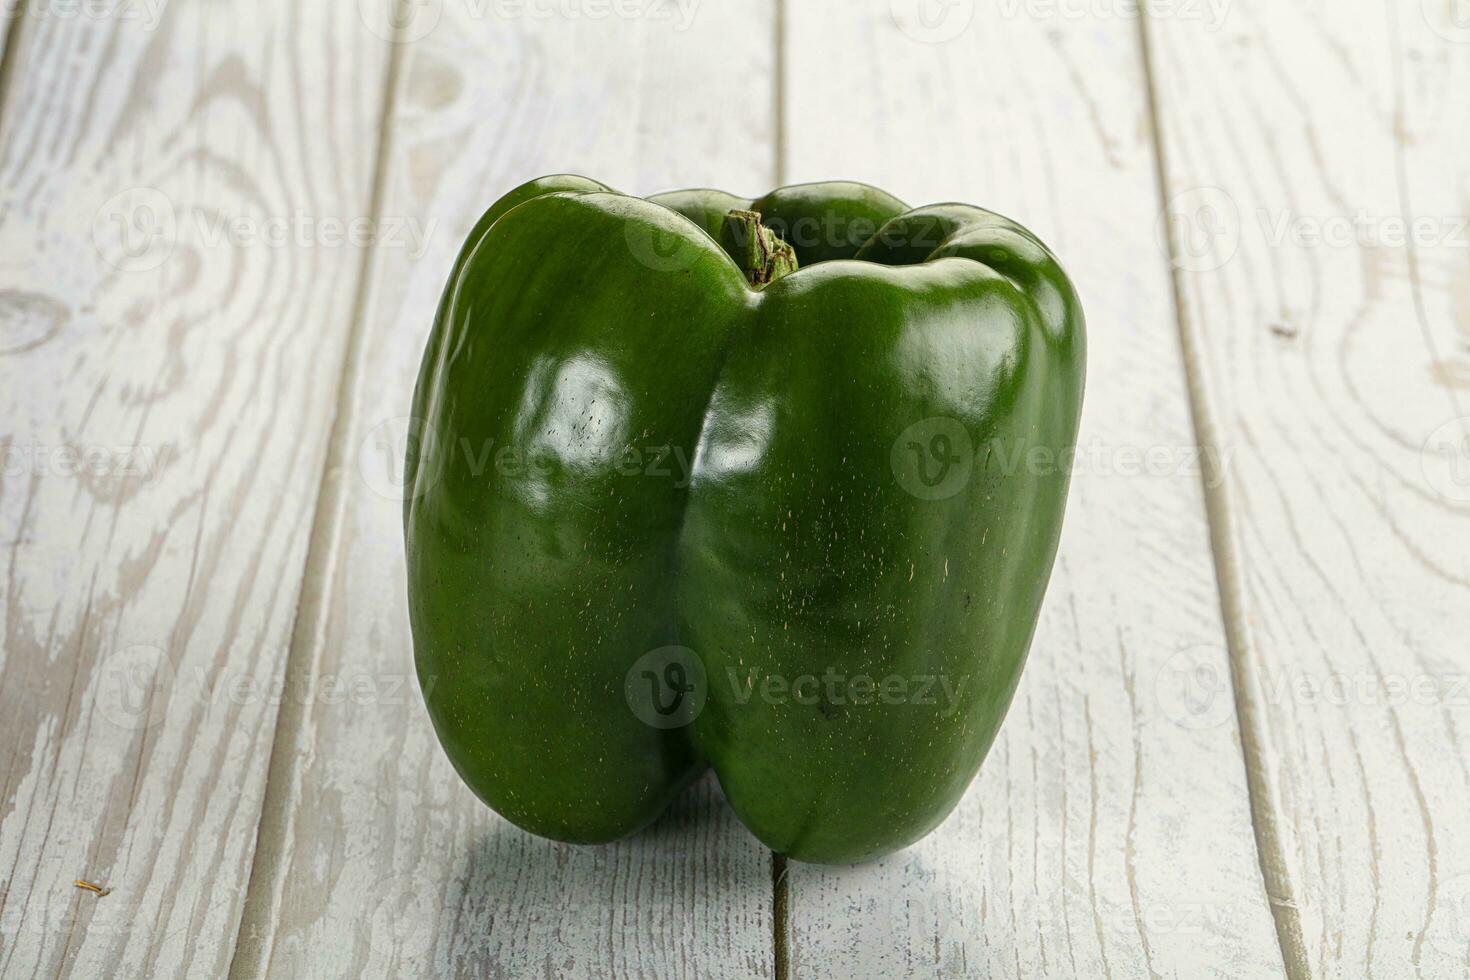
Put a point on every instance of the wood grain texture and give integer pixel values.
(375, 859)
(1109, 832)
(168, 385)
(1328, 351)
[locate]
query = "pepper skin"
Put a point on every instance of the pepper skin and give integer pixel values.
(836, 496)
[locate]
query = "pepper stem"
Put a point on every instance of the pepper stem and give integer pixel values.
(757, 250)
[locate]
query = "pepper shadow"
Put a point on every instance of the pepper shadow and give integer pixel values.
(695, 886)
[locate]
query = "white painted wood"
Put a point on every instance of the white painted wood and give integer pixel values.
(1109, 832)
(375, 859)
(166, 399)
(1328, 366)
(7, 19)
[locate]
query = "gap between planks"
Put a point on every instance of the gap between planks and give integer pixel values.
(1278, 886)
(780, 887)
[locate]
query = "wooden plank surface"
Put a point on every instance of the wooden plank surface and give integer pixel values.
(174, 305)
(375, 859)
(1109, 832)
(185, 193)
(1329, 353)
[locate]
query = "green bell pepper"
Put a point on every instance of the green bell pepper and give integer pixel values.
(770, 486)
